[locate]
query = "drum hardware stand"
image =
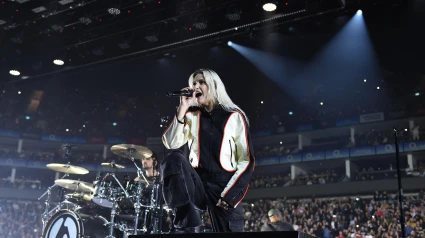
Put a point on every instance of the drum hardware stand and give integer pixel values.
(156, 204)
(67, 148)
(123, 189)
(139, 193)
(46, 212)
(111, 224)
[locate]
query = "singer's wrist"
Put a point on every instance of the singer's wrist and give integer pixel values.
(180, 114)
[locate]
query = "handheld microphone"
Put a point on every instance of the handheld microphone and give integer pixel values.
(186, 92)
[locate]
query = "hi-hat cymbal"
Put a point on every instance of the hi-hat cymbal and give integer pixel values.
(83, 196)
(75, 185)
(67, 168)
(128, 150)
(113, 165)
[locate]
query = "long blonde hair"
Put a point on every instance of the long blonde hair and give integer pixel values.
(217, 91)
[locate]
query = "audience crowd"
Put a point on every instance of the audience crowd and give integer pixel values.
(353, 217)
(20, 219)
(374, 216)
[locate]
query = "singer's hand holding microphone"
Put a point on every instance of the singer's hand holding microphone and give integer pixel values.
(187, 99)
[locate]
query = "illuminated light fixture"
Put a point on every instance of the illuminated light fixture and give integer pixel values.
(229, 43)
(200, 25)
(269, 7)
(114, 11)
(359, 12)
(65, 2)
(39, 9)
(417, 94)
(14, 72)
(58, 62)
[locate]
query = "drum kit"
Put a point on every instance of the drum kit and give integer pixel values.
(107, 207)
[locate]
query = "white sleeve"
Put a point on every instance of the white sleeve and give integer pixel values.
(176, 134)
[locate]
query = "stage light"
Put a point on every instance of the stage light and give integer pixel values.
(405, 129)
(14, 72)
(19, 92)
(269, 7)
(365, 80)
(280, 142)
(229, 43)
(378, 87)
(67, 130)
(262, 102)
(290, 113)
(58, 62)
(27, 117)
(321, 103)
(359, 12)
(417, 94)
(114, 124)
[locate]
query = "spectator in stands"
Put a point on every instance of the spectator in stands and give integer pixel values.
(415, 133)
(276, 222)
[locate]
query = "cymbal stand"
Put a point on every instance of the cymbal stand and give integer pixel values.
(139, 192)
(119, 183)
(46, 212)
(112, 221)
(157, 206)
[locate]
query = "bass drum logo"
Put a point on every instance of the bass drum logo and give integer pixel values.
(65, 225)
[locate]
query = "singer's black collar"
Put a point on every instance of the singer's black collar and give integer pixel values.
(217, 110)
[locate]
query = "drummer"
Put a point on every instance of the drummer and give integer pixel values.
(150, 166)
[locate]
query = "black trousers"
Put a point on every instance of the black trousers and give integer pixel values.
(186, 193)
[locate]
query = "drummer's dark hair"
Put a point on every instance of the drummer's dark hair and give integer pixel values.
(155, 158)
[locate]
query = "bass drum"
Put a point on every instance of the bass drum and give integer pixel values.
(71, 224)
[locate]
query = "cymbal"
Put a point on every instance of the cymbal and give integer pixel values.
(67, 168)
(128, 150)
(113, 165)
(75, 185)
(83, 196)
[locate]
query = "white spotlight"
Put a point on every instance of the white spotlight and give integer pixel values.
(229, 43)
(14, 72)
(269, 7)
(359, 12)
(58, 62)
(321, 103)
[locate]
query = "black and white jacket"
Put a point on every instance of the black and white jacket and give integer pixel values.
(220, 143)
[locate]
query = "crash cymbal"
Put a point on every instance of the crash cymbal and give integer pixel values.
(83, 196)
(135, 151)
(113, 165)
(67, 168)
(75, 185)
